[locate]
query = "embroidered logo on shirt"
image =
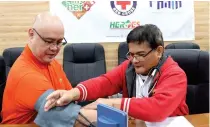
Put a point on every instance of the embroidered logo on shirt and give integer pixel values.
(60, 80)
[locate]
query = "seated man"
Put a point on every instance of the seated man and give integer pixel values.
(35, 71)
(153, 85)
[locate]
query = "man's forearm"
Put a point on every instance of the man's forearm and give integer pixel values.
(80, 122)
(75, 94)
(91, 115)
(116, 102)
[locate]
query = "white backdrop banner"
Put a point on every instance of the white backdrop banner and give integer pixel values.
(112, 20)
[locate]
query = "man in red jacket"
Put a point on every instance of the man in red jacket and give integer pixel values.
(153, 85)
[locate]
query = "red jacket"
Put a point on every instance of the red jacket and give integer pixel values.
(168, 98)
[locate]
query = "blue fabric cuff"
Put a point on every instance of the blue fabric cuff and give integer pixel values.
(64, 116)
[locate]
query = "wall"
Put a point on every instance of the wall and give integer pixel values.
(17, 17)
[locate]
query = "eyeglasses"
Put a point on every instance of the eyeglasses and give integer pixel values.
(52, 43)
(138, 57)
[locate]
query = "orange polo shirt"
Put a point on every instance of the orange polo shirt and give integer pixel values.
(27, 81)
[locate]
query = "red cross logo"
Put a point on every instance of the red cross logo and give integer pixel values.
(123, 4)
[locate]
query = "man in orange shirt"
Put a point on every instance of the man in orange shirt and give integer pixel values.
(36, 71)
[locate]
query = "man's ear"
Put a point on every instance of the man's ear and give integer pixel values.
(160, 51)
(30, 33)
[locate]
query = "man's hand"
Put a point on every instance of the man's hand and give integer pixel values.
(61, 98)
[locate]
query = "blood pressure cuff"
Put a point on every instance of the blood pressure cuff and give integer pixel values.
(64, 116)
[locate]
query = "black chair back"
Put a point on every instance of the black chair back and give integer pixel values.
(195, 63)
(122, 50)
(10, 55)
(182, 45)
(82, 61)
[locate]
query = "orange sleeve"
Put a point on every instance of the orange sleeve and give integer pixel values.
(30, 88)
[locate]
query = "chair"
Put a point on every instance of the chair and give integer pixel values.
(195, 63)
(83, 61)
(122, 50)
(183, 45)
(2, 71)
(2, 80)
(6, 62)
(10, 55)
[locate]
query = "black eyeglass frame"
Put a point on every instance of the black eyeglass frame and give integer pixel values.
(136, 57)
(63, 43)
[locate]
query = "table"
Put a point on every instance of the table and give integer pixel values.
(198, 120)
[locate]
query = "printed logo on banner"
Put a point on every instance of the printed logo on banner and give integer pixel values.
(124, 24)
(173, 4)
(78, 8)
(123, 8)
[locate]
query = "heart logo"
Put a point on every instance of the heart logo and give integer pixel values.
(78, 8)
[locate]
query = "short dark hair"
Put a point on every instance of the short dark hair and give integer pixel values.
(148, 33)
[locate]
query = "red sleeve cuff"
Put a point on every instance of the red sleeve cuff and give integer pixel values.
(125, 104)
(83, 92)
